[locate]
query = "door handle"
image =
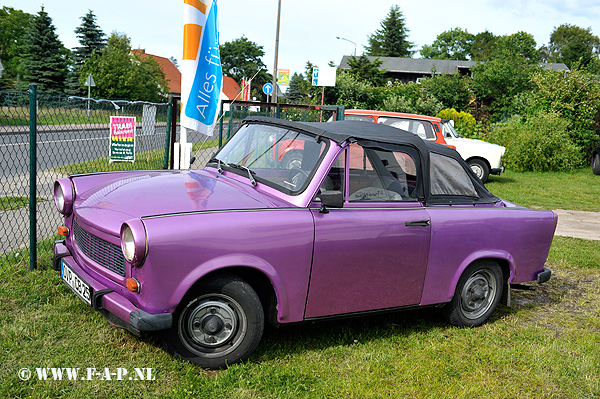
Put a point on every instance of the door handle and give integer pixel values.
(419, 223)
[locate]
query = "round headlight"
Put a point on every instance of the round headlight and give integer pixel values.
(63, 196)
(59, 198)
(133, 241)
(128, 244)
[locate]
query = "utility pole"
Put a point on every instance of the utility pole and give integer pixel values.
(274, 97)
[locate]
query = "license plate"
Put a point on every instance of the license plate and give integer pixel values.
(76, 283)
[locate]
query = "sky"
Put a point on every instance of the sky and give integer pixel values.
(309, 27)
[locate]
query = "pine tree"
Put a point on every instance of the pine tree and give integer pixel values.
(392, 39)
(44, 55)
(92, 39)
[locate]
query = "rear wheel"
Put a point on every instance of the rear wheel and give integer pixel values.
(477, 295)
(596, 164)
(480, 168)
(221, 325)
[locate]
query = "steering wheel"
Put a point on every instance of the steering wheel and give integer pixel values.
(297, 177)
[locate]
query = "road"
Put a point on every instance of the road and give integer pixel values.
(66, 145)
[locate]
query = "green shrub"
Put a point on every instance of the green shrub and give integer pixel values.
(539, 144)
(464, 122)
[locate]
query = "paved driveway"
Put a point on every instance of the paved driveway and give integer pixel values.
(579, 224)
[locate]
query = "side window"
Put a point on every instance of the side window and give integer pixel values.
(359, 118)
(334, 181)
(448, 177)
(423, 129)
(380, 176)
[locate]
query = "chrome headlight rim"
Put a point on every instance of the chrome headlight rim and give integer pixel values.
(64, 196)
(134, 243)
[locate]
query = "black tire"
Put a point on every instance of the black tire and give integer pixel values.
(596, 164)
(480, 168)
(221, 324)
(293, 159)
(477, 295)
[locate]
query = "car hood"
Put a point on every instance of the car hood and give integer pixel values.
(105, 201)
(476, 143)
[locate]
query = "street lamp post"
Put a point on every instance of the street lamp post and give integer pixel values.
(343, 38)
(274, 97)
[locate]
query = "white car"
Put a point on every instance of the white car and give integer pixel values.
(484, 158)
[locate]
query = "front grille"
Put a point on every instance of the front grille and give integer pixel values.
(102, 252)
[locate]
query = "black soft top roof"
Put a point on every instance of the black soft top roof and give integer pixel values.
(374, 135)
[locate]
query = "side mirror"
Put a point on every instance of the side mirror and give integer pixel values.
(331, 199)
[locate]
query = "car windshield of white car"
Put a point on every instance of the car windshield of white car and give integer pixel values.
(278, 157)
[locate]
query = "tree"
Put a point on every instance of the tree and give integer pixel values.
(521, 44)
(453, 44)
(482, 45)
(241, 58)
(571, 44)
(392, 39)
(14, 25)
(294, 93)
(44, 56)
(453, 91)
(368, 71)
(119, 74)
(92, 39)
(499, 81)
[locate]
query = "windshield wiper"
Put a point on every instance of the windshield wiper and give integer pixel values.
(219, 164)
(241, 167)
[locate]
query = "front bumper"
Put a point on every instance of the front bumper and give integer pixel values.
(119, 311)
(497, 171)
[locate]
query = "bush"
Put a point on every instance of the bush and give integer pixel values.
(539, 144)
(464, 122)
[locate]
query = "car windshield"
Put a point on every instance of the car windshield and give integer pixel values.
(278, 157)
(449, 130)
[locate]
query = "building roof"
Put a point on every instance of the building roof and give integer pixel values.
(415, 65)
(425, 66)
(231, 88)
(171, 72)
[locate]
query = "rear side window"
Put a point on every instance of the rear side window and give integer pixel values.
(448, 177)
(423, 129)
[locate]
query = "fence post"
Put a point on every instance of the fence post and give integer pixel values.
(32, 177)
(221, 114)
(168, 136)
(174, 130)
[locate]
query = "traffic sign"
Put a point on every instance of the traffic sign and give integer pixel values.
(89, 82)
(268, 88)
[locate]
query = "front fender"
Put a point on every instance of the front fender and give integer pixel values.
(223, 263)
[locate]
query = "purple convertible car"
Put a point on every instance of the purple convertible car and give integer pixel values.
(369, 218)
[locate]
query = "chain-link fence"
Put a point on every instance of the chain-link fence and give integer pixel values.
(56, 137)
(45, 137)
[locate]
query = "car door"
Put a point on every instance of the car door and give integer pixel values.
(372, 253)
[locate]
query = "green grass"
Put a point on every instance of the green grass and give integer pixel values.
(546, 345)
(579, 190)
(12, 203)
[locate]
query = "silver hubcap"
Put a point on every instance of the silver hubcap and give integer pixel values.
(478, 170)
(213, 321)
(478, 294)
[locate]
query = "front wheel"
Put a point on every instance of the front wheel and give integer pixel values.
(480, 168)
(220, 325)
(477, 295)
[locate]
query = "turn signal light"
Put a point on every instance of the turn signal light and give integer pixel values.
(63, 231)
(133, 285)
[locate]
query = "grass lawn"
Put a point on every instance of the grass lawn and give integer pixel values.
(545, 345)
(579, 190)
